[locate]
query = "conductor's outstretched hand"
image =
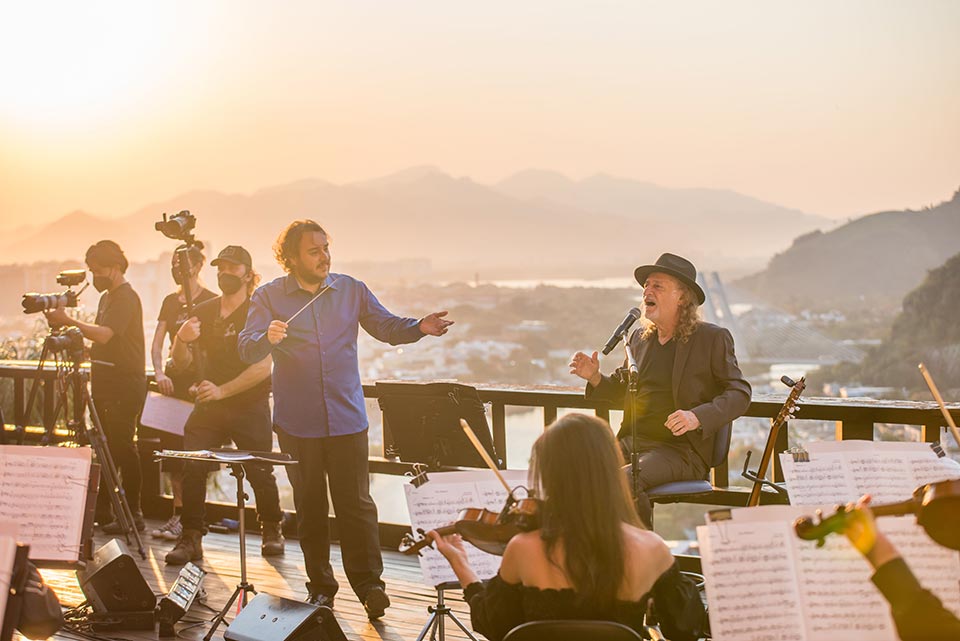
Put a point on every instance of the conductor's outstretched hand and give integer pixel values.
(435, 324)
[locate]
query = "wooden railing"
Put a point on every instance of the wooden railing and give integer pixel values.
(854, 419)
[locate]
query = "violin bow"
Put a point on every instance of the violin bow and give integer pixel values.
(483, 453)
(939, 399)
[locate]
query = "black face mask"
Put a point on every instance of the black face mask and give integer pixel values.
(229, 283)
(102, 283)
(176, 275)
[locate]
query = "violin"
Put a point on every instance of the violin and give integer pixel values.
(487, 530)
(936, 505)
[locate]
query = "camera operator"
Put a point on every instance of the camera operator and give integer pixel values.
(170, 380)
(232, 403)
(118, 376)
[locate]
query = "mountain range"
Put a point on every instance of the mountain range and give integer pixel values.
(532, 224)
(870, 262)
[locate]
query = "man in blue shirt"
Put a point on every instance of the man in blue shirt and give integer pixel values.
(308, 321)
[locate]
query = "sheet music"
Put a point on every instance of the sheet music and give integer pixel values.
(821, 480)
(836, 599)
(750, 583)
(438, 501)
(840, 601)
(44, 491)
(165, 413)
(843, 471)
(937, 568)
(8, 553)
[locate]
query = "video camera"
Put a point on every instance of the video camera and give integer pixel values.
(33, 302)
(178, 227)
(67, 340)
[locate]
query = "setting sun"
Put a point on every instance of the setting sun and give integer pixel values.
(73, 65)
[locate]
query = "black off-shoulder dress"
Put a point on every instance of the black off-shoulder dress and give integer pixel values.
(496, 607)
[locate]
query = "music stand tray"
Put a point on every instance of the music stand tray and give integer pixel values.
(424, 420)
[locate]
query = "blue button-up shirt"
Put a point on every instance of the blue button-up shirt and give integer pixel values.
(316, 375)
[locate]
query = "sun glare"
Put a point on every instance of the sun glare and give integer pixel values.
(71, 62)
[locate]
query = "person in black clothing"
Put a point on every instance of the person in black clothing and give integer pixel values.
(173, 313)
(689, 385)
(118, 369)
(591, 558)
(232, 403)
(170, 382)
(917, 613)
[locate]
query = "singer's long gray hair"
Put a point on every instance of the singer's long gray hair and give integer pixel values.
(688, 316)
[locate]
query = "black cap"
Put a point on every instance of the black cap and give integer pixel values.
(233, 254)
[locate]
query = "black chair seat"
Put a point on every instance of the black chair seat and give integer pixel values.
(572, 631)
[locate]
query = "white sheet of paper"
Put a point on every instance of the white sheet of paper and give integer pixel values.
(837, 600)
(750, 582)
(165, 413)
(438, 501)
(8, 552)
(44, 491)
(843, 471)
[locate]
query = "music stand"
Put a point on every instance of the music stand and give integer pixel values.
(437, 613)
(424, 420)
(235, 460)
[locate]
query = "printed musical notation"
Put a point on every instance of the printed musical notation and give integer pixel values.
(437, 502)
(44, 491)
(749, 568)
(843, 471)
(753, 559)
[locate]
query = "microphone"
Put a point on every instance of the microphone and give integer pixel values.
(632, 316)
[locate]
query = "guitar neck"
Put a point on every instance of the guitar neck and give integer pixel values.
(754, 499)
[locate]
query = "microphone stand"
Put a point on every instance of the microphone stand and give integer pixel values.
(633, 379)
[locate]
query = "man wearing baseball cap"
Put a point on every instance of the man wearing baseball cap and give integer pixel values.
(689, 383)
(231, 404)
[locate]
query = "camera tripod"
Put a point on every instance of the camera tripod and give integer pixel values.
(71, 377)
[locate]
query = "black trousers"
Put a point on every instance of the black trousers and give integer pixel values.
(247, 424)
(118, 417)
(660, 463)
(341, 460)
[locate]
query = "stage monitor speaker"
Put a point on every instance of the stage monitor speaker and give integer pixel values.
(112, 581)
(278, 619)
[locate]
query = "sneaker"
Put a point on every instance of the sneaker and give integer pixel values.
(376, 602)
(271, 540)
(189, 548)
(169, 531)
(114, 527)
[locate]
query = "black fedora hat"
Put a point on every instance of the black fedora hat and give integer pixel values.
(676, 266)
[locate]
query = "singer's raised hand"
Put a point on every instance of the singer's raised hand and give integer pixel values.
(586, 367)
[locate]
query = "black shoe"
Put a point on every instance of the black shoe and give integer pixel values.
(376, 602)
(321, 600)
(114, 527)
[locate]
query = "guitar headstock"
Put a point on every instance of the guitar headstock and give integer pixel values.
(792, 405)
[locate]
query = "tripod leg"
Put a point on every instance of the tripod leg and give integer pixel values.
(217, 620)
(31, 399)
(117, 495)
(462, 627)
(428, 626)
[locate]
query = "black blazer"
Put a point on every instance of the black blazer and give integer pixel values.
(706, 380)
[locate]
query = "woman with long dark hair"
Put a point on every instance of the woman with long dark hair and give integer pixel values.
(591, 557)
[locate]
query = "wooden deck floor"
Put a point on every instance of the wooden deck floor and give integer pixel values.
(280, 576)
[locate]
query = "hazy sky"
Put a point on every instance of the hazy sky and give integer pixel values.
(836, 107)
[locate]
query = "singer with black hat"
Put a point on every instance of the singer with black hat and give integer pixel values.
(689, 384)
